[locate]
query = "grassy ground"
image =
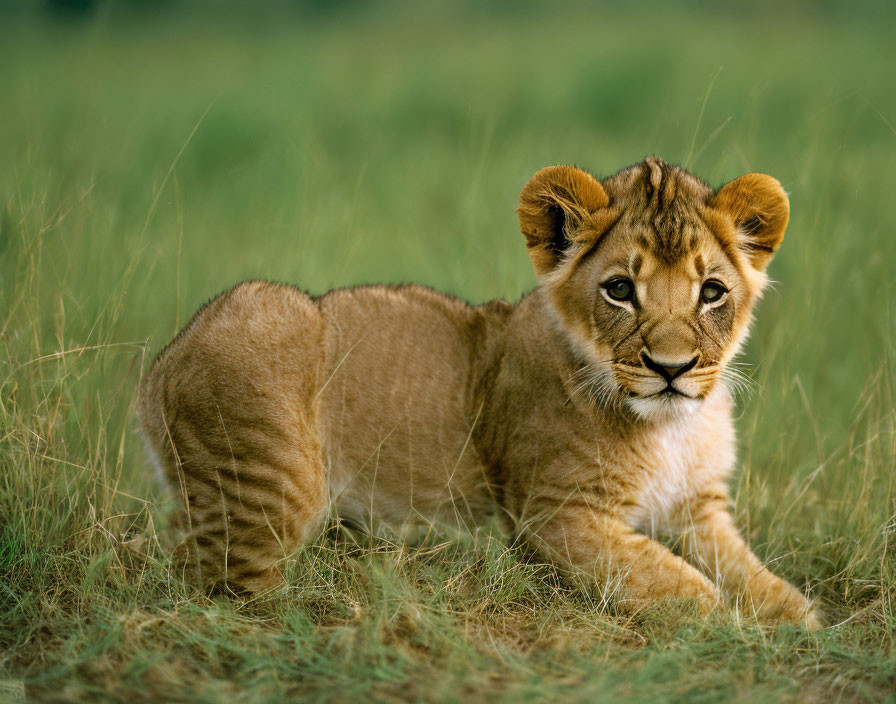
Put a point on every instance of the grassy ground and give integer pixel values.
(146, 166)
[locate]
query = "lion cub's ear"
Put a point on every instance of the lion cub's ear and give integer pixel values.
(760, 210)
(556, 210)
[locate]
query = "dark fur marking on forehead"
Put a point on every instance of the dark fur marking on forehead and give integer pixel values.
(700, 266)
(652, 175)
(670, 185)
(664, 212)
(668, 226)
(639, 183)
(661, 202)
(656, 174)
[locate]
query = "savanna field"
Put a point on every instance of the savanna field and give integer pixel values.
(149, 161)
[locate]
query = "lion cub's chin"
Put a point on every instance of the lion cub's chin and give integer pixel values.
(663, 407)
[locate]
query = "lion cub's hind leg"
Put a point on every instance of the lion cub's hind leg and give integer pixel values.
(243, 517)
(231, 408)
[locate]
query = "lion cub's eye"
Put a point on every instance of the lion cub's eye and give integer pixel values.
(712, 291)
(620, 289)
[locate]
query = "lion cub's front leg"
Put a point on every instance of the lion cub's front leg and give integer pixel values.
(602, 547)
(715, 543)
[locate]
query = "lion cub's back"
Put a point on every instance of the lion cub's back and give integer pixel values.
(398, 411)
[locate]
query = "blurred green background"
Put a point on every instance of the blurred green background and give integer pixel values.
(154, 154)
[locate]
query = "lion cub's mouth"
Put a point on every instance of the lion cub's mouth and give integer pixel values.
(671, 391)
(668, 392)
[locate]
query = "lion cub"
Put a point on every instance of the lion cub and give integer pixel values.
(593, 414)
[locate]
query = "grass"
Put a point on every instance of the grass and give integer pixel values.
(148, 165)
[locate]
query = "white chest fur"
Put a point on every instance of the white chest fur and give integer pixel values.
(675, 462)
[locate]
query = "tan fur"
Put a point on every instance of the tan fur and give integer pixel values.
(403, 406)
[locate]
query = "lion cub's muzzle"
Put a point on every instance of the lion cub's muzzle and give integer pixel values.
(669, 371)
(662, 378)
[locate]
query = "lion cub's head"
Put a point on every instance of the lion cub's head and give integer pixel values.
(652, 273)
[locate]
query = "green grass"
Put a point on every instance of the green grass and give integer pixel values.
(147, 165)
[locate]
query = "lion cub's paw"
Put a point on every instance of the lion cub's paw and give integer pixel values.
(786, 604)
(710, 602)
(808, 617)
(814, 618)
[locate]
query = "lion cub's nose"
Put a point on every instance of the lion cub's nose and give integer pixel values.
(669, 369)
